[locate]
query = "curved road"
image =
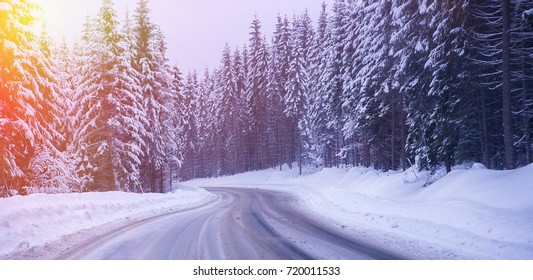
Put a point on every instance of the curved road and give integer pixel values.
(242, 224)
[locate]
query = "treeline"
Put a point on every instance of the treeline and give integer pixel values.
(104, 116)
(386, 84)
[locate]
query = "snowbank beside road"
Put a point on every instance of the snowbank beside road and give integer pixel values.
(468, 214)
(31, 221)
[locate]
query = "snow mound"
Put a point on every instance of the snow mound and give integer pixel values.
(28, 221)
(478, 166)
(512, 190)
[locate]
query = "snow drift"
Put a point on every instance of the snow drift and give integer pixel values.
(470, 213)
(28, 221)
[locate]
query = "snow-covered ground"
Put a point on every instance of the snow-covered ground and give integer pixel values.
(471, 213)
(34, 221)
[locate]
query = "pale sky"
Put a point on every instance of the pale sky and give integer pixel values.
(196, 30)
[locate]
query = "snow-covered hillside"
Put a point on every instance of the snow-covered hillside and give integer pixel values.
(36, 220)
(471, 213)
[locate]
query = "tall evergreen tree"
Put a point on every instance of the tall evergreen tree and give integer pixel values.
(49, 169)
(193, 142)
(155, 83)
(297, 87)
(245, 122)
(226, 90)
(109, 108)
(522, 78)
(448, 90)
(28, 101)
(322, 134)
(257, 95)
(280, 57)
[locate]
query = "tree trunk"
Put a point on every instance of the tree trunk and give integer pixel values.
(336, 151)
(171, 174)
(161, 180)
(393, 165)
(3, 177)
(484, 132)
(403, 156)
(151, 178)
(506, 68)
(448, 159)
(300, 155)
(525, 113)
(354, 152)
(527, 134)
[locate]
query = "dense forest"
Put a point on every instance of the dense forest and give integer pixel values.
(388, 84)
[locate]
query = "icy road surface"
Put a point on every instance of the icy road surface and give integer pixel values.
(242, 224)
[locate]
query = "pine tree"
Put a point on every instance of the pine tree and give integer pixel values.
(193, 141)
(297, 86)
(66, 79)
(208, 124)
(352, 54)
(28, 99)
(109, 116)
(448, 91)
(279, 64)
(494, 56)
(241, 70)
(155, 81)
(322, 136)
(332, 81)
(49, 169)
(177, 122)
(522, 77)
(257, 95)
(227, 131)
(408, 77)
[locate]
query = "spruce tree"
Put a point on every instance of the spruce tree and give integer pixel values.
(155, 82)
(28, 100)
(257, 95)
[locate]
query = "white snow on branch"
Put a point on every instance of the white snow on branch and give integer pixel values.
(5, 7)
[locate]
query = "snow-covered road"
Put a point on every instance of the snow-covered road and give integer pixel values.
(470, 213)
(241, 224)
